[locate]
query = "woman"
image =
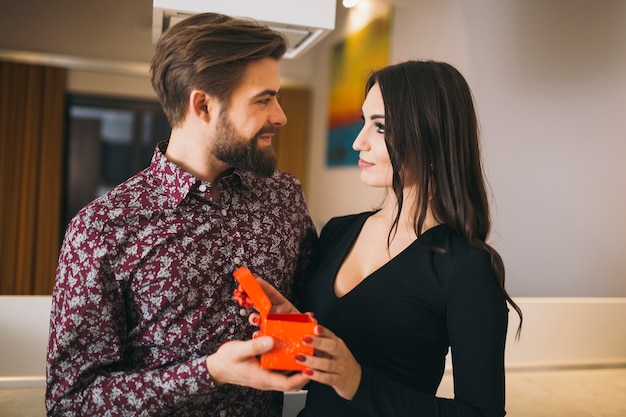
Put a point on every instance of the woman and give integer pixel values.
(395, 288)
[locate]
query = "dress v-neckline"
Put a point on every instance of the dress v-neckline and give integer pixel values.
(371, 274)
(382, 267)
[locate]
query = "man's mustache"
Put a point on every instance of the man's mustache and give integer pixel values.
(269, 129)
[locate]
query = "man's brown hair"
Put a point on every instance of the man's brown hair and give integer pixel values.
(208, 52)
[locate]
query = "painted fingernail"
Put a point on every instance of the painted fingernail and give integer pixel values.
(307, 339)
(308, 372)
(255, 320)
(317, 330)
(299, 358)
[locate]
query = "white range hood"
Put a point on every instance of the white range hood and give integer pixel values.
(303, 22)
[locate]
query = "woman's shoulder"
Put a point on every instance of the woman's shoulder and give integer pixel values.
(459, 263)
(340, 224)
(445, 237)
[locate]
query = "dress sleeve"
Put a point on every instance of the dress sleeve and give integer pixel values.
(477, 319)
(86, 373)
(477, 323)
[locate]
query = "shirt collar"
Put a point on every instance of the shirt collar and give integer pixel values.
(175, 181)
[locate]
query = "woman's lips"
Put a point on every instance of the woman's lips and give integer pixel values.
(364, 164)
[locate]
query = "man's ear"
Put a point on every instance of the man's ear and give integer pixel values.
(202, 105)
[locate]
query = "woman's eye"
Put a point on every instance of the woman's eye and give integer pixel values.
(380, 128)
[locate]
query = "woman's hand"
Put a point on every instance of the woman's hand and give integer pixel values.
(280, 305)
(333, 364)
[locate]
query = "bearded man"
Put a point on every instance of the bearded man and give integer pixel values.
(143, 319)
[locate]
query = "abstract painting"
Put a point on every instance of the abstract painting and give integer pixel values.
(353, 58)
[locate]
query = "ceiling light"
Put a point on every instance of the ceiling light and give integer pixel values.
(349, 3)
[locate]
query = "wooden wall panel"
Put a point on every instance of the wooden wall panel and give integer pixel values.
(292, 140)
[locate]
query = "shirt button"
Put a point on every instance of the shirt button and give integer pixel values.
(224, 212)
(237, 261)
(202, 188)
(242, 312)
(223, 413)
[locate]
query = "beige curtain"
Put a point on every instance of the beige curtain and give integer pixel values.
(32, 113)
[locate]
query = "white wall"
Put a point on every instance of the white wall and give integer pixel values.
(549, 79)
(24, 324)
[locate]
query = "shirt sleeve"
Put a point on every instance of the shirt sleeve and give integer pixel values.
(87, 372)
(477, 322)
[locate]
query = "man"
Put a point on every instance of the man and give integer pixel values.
(143, 319)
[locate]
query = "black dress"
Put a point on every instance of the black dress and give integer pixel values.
(400, 320)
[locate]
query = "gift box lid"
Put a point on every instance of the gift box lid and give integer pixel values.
(252, 288)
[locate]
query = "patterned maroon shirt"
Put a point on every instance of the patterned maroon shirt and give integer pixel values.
(144, 291)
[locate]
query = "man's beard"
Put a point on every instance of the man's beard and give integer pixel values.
(241, 152)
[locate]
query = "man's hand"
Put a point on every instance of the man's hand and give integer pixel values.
(236, 363)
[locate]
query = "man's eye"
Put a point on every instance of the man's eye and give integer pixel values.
(380, 128)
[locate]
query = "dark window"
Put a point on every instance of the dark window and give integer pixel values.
(108, 141)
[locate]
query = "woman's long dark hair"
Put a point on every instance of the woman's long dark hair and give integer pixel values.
(432, 135)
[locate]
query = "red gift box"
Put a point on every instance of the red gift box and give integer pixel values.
(286, 329)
